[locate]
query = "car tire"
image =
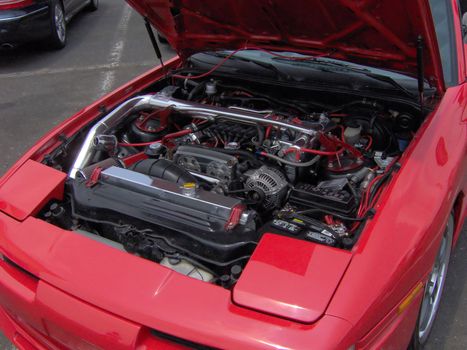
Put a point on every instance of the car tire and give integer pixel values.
(58, 35)
(433, 289)
(93, 5)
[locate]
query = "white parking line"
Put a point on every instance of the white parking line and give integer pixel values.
(115, 55)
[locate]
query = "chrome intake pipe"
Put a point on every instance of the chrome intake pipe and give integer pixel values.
(103, 126)
(197, 110)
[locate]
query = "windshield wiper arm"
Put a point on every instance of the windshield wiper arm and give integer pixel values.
(364, 71)
(390, 81)
(268, 66)
(375, 76)
(321, 62)
(342, 65)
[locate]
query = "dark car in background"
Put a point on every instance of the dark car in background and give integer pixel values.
(38, 20)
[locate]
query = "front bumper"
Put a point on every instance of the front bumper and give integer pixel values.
(23, 25)
(80, 293)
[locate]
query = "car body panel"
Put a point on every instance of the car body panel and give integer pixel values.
(380, 33)
(19, 204)
(395, 329)
(312, 269)
(75, 6)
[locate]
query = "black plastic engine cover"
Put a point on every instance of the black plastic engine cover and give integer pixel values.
(338, 200)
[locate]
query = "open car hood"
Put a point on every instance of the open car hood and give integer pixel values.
(381, 33)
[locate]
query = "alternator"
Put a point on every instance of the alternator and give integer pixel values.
(270, 183)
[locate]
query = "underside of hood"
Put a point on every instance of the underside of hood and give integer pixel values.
(381, 33)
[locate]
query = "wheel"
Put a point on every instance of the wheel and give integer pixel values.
(93, 5)
(434, 289)
(58, 35)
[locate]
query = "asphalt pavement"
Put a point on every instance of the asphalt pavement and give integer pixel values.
(40, 88)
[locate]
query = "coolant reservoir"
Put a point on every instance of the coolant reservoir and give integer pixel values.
(187, 269)
(352, 134)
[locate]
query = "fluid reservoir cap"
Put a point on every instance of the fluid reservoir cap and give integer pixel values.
(155, 146)
(189, 189)
(211, 88)
(232, 145)
(155, 149)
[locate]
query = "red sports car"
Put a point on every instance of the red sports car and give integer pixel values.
(294, 179)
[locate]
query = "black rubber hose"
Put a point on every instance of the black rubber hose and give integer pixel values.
(260, 135)
(195, 90)
(163, 169)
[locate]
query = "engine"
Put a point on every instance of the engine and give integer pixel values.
(192, 176)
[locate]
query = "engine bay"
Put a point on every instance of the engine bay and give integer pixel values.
(192, 174)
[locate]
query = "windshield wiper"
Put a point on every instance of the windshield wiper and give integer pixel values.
(350, 68)
(320, 62)
(266, 65)
(390, 81)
